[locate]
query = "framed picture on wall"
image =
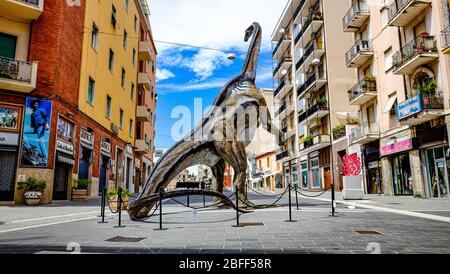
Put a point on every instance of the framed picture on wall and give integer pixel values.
(10, 118)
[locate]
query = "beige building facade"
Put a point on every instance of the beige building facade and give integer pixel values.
(402, 95)
(311, 79)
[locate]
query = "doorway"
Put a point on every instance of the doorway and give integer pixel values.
(401, 171)
(437, 169)
(103, 171)
(128, 174)
(61, 181)
(8, 166)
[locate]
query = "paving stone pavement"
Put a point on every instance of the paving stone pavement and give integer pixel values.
(211, 231)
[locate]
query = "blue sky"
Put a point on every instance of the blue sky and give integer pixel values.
(183, 73)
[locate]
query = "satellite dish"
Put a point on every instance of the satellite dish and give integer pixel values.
(315, 62)
(231, 56)
(284, 72)
(282, 30)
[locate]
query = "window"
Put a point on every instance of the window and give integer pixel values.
(91, 91)
(132, 91)
(268, 162)
(125, 38)
(384, 17)
(123, 78)
(111, 60)
(8, 45)
(94, 36)
(150, 116)
(134, 56)
(126, 5)
(131, 128)
(121, 119)
(108, 106)
(388, 62)
(135, 24)
(113, 16)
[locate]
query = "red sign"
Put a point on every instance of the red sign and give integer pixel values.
(396, 147)
(352, 164)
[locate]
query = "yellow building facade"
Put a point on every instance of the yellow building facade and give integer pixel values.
(110, 49)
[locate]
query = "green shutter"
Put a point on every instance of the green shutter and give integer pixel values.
(8, 45)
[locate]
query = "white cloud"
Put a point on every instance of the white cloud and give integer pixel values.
(163, 74)
(171, 88)
(216, 24)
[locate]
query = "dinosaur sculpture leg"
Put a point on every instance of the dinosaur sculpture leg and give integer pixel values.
(218, 172)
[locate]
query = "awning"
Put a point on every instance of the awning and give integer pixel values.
(66, 159)
(390, 104)
(346, 118)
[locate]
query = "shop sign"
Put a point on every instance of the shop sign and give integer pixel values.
(87, 138)
(64, 147)
(64, 130)
(10, 118)
(396, 147)
(373, 164)
(105, 148)
(9, 139)
(410, 107)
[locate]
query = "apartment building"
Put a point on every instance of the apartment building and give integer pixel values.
(310, 91)
(68, 106)
(401, 139)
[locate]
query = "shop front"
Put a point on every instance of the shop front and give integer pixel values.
(64, 160)
(86, 155)
(398, 150)
(372, 164)
(104, 164)
(435, 158)
(10, 117)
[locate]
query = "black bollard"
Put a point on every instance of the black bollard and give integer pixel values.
(204, 200)
(119, 201)
(237, 207)
(333, 201)
(296, 196)
(103, 206)
(161, 193)
(290, 205)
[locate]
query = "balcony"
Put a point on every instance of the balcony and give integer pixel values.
(401, 12)
(314, 143)
(142, 146)
(363, 92)
(310, 27)
(284, 109)
(283, 88)
(303, 10)
(281, 46)
(359, 54)
(356, 16)
(339, 133)
(17, 75)
(445, 40)
(27, 10)
(143, 114)
(285, 155)
(313, 82)
(420, 109)
(315, 51)
(364, 134)
(145, 51)
(288, 131)
(315, 112)
(284, 64)
(144, 80)
(416, 53)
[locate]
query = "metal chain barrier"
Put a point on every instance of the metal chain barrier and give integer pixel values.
(211, 205)
(259, 193)
(313, 196)
(269, 205)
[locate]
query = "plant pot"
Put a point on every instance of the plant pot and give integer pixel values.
(113, 203)
(32, 198)
(79, 195)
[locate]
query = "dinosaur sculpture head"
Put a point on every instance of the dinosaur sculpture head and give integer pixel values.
(249, 31)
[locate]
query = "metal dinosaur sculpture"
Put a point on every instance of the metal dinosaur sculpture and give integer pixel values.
(209, 143)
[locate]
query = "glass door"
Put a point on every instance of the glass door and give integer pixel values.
(401, 170)
(440, 185)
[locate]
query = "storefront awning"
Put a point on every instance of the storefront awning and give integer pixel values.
(66, 159)
(390, 104)
(346, 118)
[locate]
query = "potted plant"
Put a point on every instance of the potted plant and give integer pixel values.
(338, 131)
(308, 141)
(33, 190)
(322, 101)
(80, 191)
(428, 89)
(112, 196)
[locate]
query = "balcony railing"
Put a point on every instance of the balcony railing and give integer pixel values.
(311, 141)
(280, 64)
(421, 44)
(299, 8)
(364, 86)
(408, 9)
(358, 7)
(16, 70)
(445, 40)
(339, 133)
(282, 155)
(281, 109)
(279, 88)
(307, 53)
(280, 41)
(419, 104)
(31, 2)
(302, 88)
(310, 111)
(367, 129)
(360, 47)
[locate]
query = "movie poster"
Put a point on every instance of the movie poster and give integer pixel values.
(36, 133)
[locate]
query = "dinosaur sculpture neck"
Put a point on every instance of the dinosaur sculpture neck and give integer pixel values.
(249, 70)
